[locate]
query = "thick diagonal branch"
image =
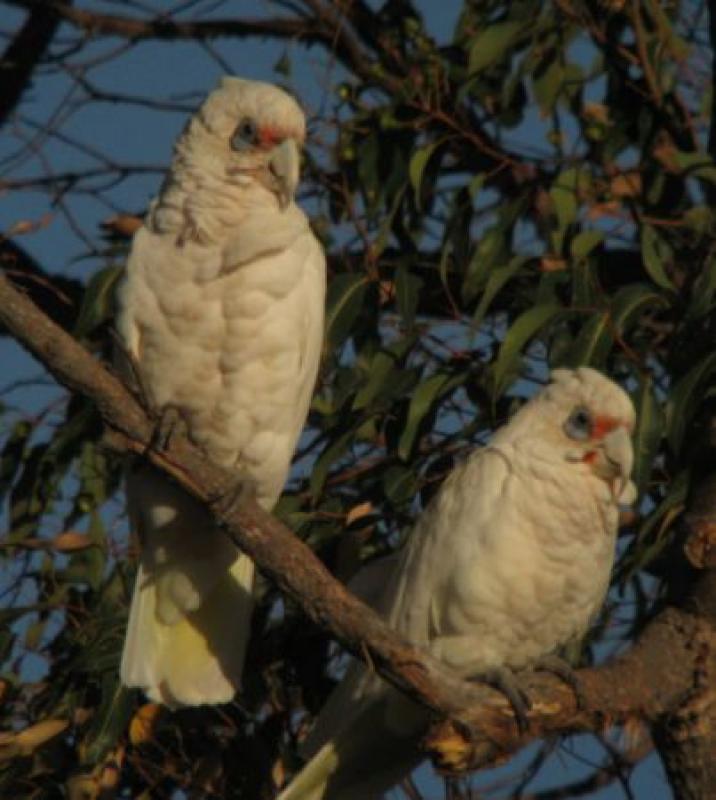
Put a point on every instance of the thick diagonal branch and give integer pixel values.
(649, 681)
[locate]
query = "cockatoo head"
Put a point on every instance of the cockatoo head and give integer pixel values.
(247, 132)
(588, 420)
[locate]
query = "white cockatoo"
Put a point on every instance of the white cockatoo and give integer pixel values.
(221, 312)
(510, 560)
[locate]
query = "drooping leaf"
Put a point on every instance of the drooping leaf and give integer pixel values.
(98, 300)
(407, 292)
(319, 472)
(346, 293)
(111, 720)
(648, 433)
(399, 484)
(703, 290)
(563, 194)
(584, 242)
(493, 44)
(656, 254)
(488, 252)
(13, 454)
(424, 398)
(682, 398)
(418, 163)
(497, 279)
(597, 335)
(523, 329)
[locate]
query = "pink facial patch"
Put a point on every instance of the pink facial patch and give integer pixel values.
(268, 137)
(602, 426)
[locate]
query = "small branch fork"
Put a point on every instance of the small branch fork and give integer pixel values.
(648, 682)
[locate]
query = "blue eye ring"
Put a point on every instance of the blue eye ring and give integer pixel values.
(579, 424)
(246, 135)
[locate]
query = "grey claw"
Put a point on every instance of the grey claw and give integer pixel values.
(503, 680)
(564, 671)
(168, 420)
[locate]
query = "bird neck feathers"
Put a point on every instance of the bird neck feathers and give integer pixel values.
(199, 204)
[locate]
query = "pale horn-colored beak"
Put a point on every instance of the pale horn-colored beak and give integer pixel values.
(616, 464)
(284, 165)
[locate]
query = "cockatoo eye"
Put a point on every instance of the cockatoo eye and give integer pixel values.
(246, 135)
(579, 424)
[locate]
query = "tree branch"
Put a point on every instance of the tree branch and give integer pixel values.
(22, 55)
(308, 30)
(161, 27)
(649, 681)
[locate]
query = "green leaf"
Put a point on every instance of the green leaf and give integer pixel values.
(98, 300)
(13, 454)
(418, 163)
(682, 399)
(498, 278)
(319, 473)
(563, 193)
(584, 242)
(407, 291)
(110, 722)
(703, 289)
(346, 293)
(475, 186)
(596, 337)
(492, 44)
(88, 565)
(654, 533)
(368, 156)
(700, 165)
(526, 326)
(386, 225)
(399, 484)
(655, 254)
(548, 84)
(381, 367)
(700, 219)
(424, 398)
(488, 251)
(93, 474)
(648, 433)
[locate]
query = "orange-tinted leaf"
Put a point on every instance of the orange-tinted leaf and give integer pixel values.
(143, 724)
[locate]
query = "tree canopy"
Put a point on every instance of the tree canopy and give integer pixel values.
(532, 191)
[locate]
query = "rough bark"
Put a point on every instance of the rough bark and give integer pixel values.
(686, 736)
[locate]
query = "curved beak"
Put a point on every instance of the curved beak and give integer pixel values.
(615, 462)
(284, 165)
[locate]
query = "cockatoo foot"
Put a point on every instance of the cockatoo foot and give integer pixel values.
(231, 499)
(565, 672)
(169, 421)
(503, 680)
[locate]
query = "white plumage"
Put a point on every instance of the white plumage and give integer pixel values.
(510, 560)
(221, 310)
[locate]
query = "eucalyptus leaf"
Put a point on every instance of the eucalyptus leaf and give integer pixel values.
(683, 397)
(597, 336)
(648, 433)
(523, 329)
(346, 293)
(656, 254)
(493, 44)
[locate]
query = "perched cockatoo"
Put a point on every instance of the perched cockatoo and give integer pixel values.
(221, 311)
(511, 559)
